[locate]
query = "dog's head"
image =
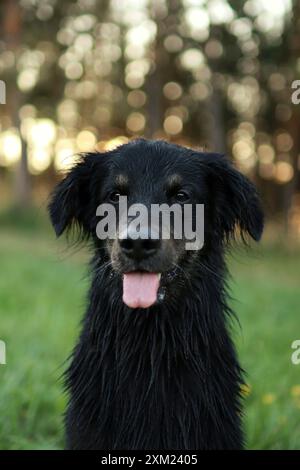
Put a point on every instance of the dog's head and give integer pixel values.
(145, 175)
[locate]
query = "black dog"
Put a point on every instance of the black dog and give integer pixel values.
(156, 370)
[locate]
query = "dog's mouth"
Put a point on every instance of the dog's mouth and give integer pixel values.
(140, 289)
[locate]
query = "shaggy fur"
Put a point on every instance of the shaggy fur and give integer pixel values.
(166, 377)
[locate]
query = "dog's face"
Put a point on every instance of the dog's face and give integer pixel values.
(151, 174)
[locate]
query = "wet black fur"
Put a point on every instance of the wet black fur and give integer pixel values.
(166, 377)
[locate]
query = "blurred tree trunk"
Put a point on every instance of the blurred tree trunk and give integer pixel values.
(293, 43)
(166, 17)
(12, 28)
(217, 131)
(154, 84)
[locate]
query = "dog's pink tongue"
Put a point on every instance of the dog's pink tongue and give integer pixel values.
(140, 289)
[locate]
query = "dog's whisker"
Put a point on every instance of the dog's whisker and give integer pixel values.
(181, 269)
(210, 271)
(103, 267)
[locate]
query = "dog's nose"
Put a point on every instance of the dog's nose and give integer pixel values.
(140, 248)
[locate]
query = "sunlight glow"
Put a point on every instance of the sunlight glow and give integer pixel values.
(10, 147)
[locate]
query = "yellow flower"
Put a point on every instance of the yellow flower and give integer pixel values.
(295, 391)
(268, 398)
(245, 389)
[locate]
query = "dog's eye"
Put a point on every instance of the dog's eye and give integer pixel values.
(181, 196)
(115, 196)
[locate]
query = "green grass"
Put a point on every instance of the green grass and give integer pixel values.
(42, 293)
(267, 289)
(41, 296)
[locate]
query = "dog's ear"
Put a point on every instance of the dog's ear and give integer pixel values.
(236, 201)
(70, 202)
